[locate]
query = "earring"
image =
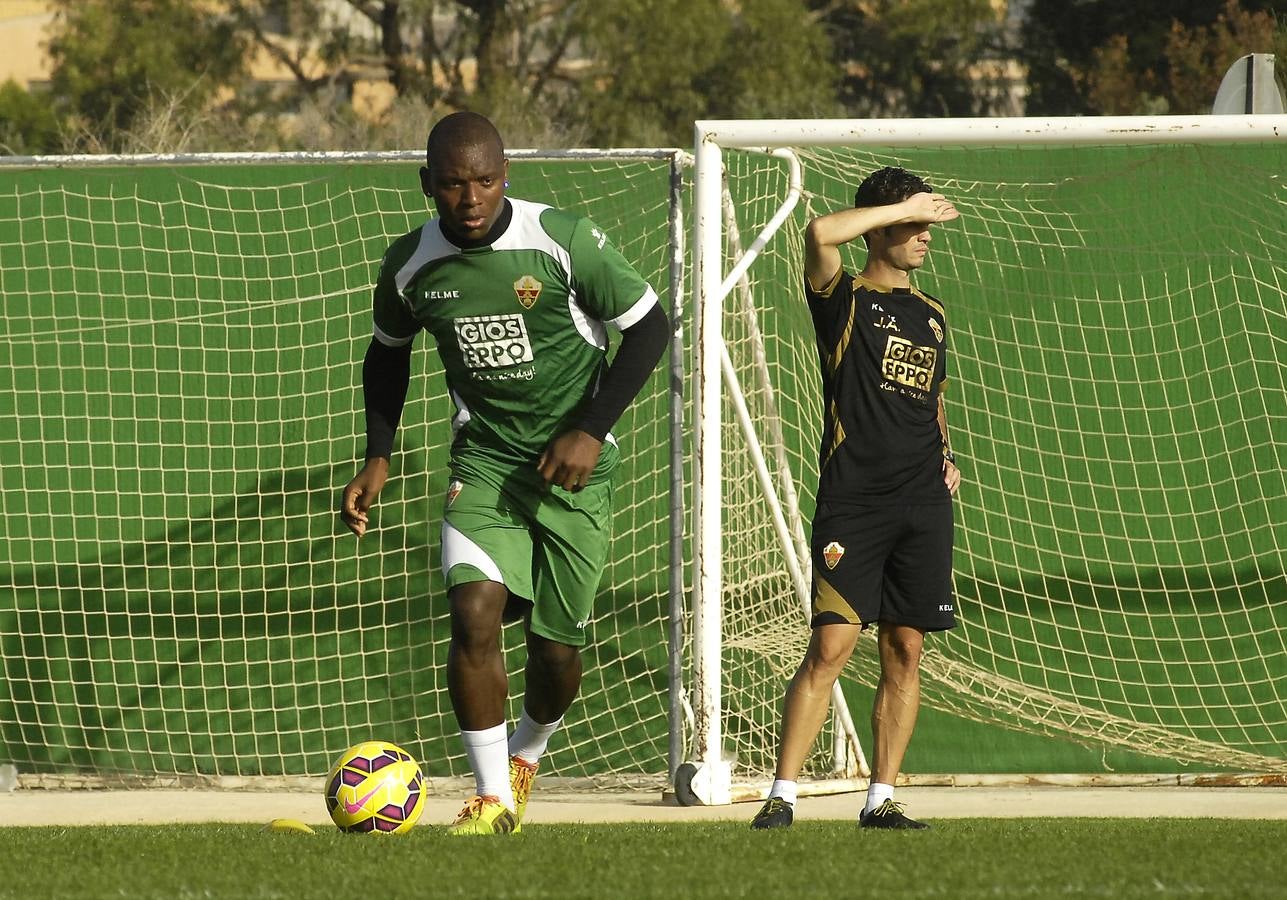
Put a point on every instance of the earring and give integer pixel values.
(507, 184)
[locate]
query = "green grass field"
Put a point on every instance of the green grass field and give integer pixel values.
(961, 858)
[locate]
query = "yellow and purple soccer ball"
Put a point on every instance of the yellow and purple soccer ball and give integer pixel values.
(375, 787)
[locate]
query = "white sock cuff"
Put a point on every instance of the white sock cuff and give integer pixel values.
(877, 793)
(530, 738)
(489, 758)
(484, 738)
(785, 790)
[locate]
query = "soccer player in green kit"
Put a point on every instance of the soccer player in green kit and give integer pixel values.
(516, 296)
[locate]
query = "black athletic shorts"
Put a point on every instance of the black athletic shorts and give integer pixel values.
(883, 564)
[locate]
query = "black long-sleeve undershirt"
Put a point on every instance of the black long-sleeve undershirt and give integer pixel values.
(642, 345)
(386, 375)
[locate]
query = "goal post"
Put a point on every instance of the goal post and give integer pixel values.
(180, 403)
(1097, 264)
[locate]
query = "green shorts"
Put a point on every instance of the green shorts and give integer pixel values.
(545, 544)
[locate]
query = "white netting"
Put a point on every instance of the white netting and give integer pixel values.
(180, 403)
(1118, 402)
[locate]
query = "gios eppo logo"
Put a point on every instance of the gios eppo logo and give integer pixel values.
(906, 363)
(493, 342)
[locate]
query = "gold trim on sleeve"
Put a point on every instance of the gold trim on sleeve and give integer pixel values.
(931, 303)
(825, 293)
(837, 434)
(833, 363)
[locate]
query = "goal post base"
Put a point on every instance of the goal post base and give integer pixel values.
(758, 791)
(703, 784)
(1099, 779)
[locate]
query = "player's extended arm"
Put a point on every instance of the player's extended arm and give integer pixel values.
(824, 235)
(386, 374)
(951, 474)
(572, 456)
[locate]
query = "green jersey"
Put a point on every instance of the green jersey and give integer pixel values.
(519, 324)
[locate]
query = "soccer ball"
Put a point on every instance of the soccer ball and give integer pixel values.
(375, 786)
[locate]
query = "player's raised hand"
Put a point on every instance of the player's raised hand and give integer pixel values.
(360, 493)
(570, 459)
(927, 207)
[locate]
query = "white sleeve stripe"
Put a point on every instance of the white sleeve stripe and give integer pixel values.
(641, 308)
(389, 340)
(591, 330)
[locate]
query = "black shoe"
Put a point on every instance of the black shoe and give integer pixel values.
(888, 815)
(775, 813)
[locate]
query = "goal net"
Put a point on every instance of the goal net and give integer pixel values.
(1118, 402)
(180, 403)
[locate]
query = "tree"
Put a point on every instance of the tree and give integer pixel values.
(1148, 56)
(915, 57)
(548, 71)
(28, 124)
(449, 51)
(773, 64)
(112, 58)
(1195, 59)
(657, 65)
(630, 71)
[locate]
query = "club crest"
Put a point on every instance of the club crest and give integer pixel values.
(453, 491)
(831, 554)
(937, 329)
(528, 289)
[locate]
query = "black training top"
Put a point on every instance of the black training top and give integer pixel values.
(883, 353)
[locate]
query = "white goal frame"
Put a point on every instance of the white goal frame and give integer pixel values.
(706, 777)
(672, 483)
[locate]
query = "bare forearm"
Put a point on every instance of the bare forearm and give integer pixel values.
(846, 225)
(951, 474)
(942, 422)
(825, 234)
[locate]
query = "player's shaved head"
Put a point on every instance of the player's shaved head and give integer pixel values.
(467, 132)
(465, 174)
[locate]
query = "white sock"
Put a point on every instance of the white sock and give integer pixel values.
(877, 794)
(489, 758)
(785, 790)
(530, 738)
